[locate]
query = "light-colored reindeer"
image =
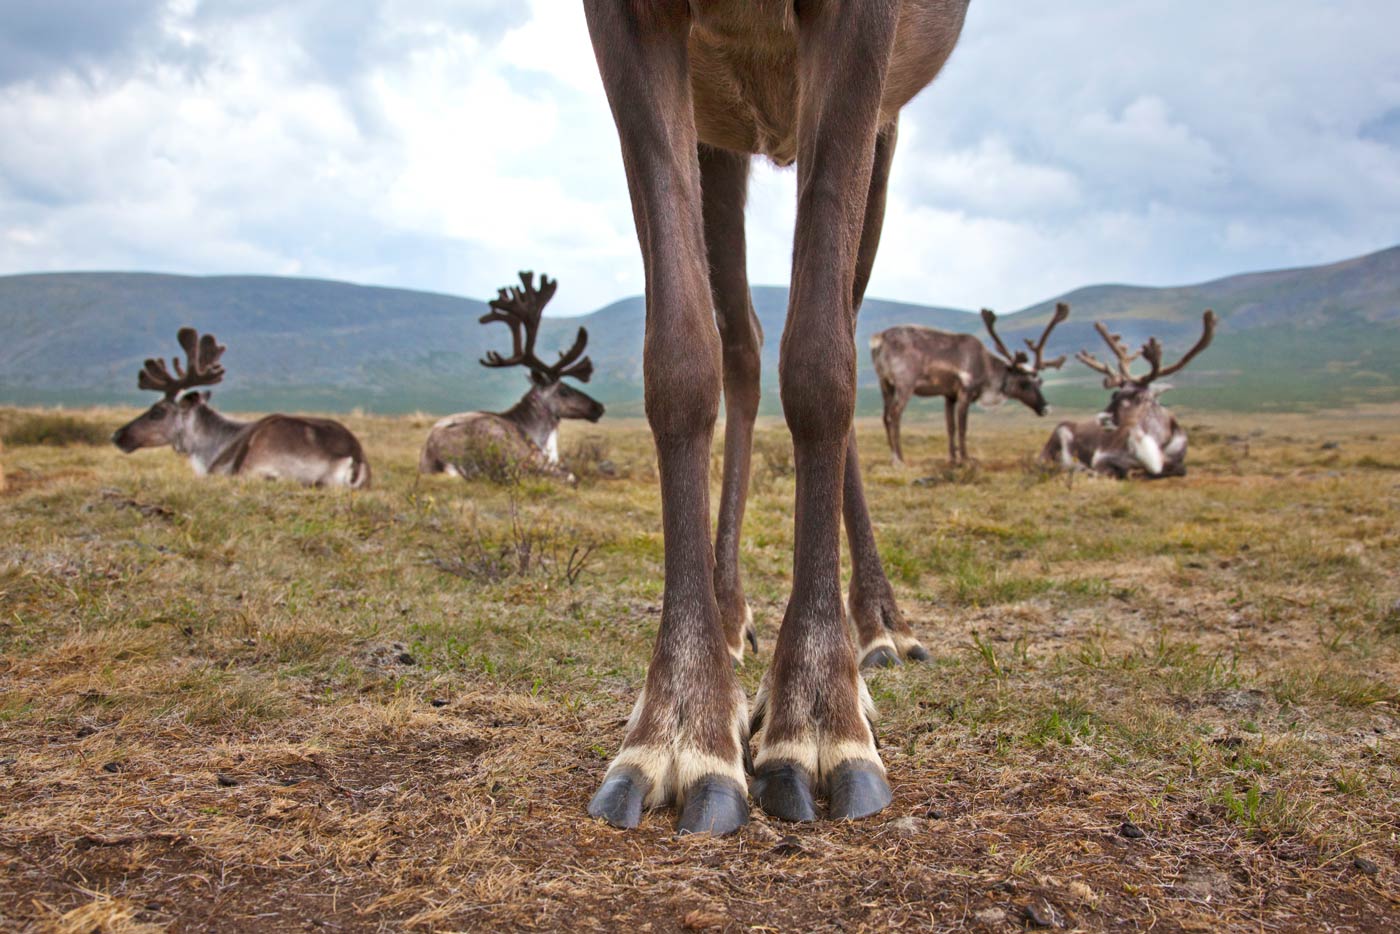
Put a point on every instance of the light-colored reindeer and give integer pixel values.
(1135, 435)
(911, 360)
(525, 436)
(311, 451)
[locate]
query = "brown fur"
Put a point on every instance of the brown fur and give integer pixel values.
(695, 89)
(1135, 435)
(919, 361)
(310, 451)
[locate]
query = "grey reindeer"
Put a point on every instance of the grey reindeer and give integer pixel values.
(309, 451)
(525, 436)
(1134, 435)
(911, 360)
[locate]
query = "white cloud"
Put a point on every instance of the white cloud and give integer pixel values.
(431, 144)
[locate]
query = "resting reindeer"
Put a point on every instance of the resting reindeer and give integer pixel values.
(1135, 434)
(311, 451)
(918, 361)
(527, 434)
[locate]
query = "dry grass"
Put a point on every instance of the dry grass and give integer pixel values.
(243, 706)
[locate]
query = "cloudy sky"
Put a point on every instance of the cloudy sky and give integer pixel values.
(442, 144)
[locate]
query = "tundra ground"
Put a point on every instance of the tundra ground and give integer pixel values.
(244, 706)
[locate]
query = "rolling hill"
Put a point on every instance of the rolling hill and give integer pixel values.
(1288, 339)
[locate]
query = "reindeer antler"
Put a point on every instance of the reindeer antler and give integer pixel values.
(202, 356)
(1112, 379)
(1152, 352)
(1038, 349)
(989, 318)
(520, 308)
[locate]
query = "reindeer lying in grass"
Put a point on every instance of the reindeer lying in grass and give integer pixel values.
(1135, 435)
(311, 451)
(525, 436)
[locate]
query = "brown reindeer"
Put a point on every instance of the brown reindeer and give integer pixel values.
(311, 451)
(917, 361)
(1135, 435)
(696, 88)
(525, 436)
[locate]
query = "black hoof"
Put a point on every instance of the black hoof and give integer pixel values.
(751, 634)
(785, 792)
(619, 800)
(880, 657)
(856, 789)
(716, 806)
(917, 653)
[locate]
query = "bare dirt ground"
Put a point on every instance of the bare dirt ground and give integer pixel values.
(241, 706)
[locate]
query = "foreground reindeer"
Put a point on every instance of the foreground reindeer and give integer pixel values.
(527, 434)
(918, 361)
(311, 451)
(696, 87)
(1135, 434)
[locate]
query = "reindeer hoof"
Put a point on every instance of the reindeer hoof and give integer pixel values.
(882, 656)
(619, 800)
(784, 792)
(917, 653)
(715, 805)
(751, 634)
(857, 789)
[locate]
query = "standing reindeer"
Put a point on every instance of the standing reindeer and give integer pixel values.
(527, 434)
(311, 451)
(697, 87)
(1135, 434)
(918, 361)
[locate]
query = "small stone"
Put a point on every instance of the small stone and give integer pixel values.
(1131, 831)
(405, 659)
(85, 731)
(788, 846)
(226, 780)
(936, 814)
(607, 468)
(112, 767)
(1363, 864)
(438, 702)
(1039, 914)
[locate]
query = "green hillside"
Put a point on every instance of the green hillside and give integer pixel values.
(1289, 339)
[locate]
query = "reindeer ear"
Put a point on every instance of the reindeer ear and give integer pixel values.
(1158, 388)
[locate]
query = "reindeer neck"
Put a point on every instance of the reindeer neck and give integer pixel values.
(204, 435)
(534, 418)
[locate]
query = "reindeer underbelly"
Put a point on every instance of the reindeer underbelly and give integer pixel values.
(743, 69)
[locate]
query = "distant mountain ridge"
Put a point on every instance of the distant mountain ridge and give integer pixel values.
(1288, 339)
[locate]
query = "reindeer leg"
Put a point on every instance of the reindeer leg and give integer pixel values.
(882, 635)
(813, 705)
(685, 739)
(895, 399)
(724, 180)
(964, 403)
(950, 415)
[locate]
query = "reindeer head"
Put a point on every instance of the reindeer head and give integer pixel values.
(519, 308)
(1020, 378)
(1134, 401)
(162, 423)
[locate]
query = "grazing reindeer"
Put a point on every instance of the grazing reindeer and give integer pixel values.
(918, 361)
(696, 88)
(1135, 434)
(527, 434)
(311, 451)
